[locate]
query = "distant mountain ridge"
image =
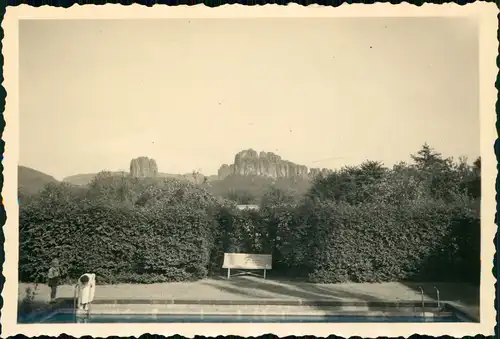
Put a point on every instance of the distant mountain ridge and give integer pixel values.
(251, 172)
(31, 181)
(141, 167)
(85, 179)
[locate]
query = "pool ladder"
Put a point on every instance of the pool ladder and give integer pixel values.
(438, 300)
(423, 303)
(78, 317)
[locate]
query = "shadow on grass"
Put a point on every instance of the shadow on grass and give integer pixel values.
(297, 288)
(235, 290)
(303, 290)
(293, 290)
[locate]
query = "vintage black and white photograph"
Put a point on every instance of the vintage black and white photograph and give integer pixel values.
(250, 170)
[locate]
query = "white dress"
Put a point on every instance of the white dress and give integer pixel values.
(86, 291)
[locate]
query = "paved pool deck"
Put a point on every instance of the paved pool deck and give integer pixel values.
(252, 289)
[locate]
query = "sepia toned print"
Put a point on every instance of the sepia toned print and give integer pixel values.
(239, 174)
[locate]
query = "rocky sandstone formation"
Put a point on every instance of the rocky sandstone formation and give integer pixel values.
(268, 164)
(225, 171)
(143, 167)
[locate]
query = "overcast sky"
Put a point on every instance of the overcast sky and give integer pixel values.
(192, 93)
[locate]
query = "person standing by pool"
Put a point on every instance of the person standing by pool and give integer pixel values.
(86, 289)
(53, 279)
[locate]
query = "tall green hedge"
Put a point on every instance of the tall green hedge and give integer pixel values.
(174, 241)
(328, 241)
(84, 237)
(383, 242)
(363, 224)
(166, 239)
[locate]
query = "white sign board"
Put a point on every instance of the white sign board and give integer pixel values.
(246, 261)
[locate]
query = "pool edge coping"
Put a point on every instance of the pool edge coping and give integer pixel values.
(260, 302)
(458, 309)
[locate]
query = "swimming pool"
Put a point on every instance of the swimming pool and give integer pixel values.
(143, 311)
(60, 318)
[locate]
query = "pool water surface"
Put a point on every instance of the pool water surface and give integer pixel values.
(190, 318)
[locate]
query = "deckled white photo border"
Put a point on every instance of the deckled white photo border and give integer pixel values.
(485, 14)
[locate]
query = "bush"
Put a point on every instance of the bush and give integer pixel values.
(174, 241)
(281, 225)
(383, 242)
(167, 233)
(85, 238)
